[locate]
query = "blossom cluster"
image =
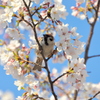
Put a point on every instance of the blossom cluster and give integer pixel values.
(82, 12)
(6, 95)
(16, 57)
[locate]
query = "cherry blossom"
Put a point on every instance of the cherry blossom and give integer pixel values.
(58, 11)
(19, 84)
(7, 16)
(14, 44)
(14, 33)
(33, 20)
(6, 95)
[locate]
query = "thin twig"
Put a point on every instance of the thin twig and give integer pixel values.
(34, 30)
(51, 54)
(37, 97)
(96, 12)
(94, 56)
(59, 77)
(46, 65)
(27, 22)
(87, 19)
(93, 7)
(29, 3)
(41, 20)
(36, 11)
(33, 25)
(22, 19)
(31, 62)
(94, 95)
(86, 13)
(75, 95)
(91, 33)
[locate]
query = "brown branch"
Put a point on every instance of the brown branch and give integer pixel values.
(88, 44)
(87, 19)
(96, 12)
(93, 7)
(31, 62)
(33, 25)
(34, 30)
(41, 20)
(94, 95)
(27, 22)
(36, 11)
(46, 65)
(29, 3)
(91, 33)
(22, 19)
(50, 81)
(52, 54)
(37, 97)
(75, 95)
(59, 77)
(94, 56)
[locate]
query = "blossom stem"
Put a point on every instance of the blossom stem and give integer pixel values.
(94, 56)
(75, 94)
(94, 95)
(59, 77)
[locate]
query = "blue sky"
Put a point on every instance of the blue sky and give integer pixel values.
(93, 64)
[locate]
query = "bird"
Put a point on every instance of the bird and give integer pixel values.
(47, 43)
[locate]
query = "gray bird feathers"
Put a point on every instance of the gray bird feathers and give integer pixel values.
(39, 62)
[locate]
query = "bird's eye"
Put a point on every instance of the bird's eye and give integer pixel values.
(51, 39)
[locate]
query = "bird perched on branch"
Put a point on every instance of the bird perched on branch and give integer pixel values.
(47, 43)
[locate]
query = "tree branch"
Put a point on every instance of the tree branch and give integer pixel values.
(94, 95)
(37, 97)
(29, 3)
(52, 54)
(50, 81)
(75, 95)
(88, 43)
(31, 62)
(93, 56)
(59, 77)
(87, 19)
(41, 20)
(91, 33)
(46, 65)
(22, 19)
(36, 11)
(33, 25)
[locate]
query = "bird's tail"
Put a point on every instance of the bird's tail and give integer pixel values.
(39, 63)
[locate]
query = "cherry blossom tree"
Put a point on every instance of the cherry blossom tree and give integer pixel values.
(23, 22)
